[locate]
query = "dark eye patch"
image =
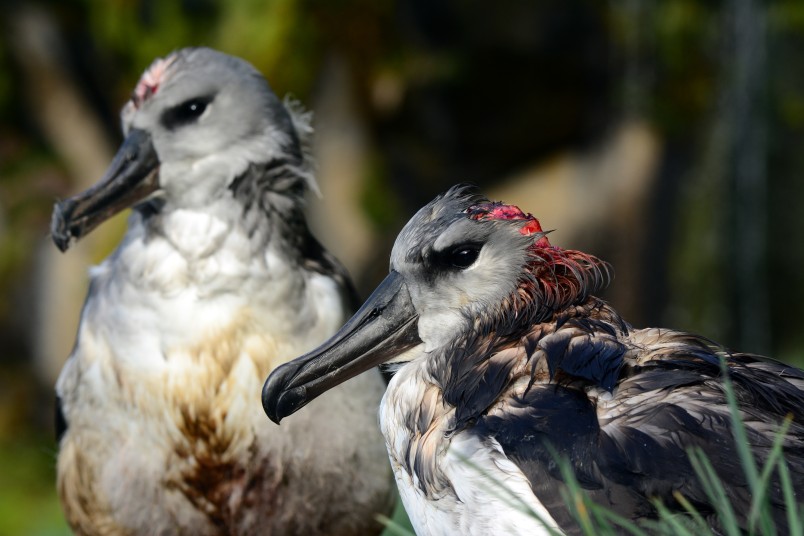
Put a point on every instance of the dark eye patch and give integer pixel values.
(459, 257)
(185, 113)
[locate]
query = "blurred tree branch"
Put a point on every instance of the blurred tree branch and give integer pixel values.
(75, 133)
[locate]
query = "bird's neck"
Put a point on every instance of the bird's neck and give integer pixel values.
(261, 208)
(414, 421)
(191, 269)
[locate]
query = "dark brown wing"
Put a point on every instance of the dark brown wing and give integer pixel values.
(633, 447)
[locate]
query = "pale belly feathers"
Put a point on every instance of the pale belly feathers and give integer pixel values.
(162, 399)
(485, 493)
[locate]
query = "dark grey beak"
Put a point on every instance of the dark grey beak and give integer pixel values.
(131, 177)
(384, 327)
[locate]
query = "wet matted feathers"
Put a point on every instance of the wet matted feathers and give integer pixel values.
(505, 359)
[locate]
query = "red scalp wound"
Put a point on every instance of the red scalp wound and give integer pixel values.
(560, 277)
(501, 211)
(151, 80)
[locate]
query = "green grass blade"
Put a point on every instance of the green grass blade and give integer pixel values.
(714, 491)
(738, 429)
(760, 505)
(670, 524)
(501, 491)
(579, 507)
(392, 526)
(693, 512)
(594, 519)
(794, 511)
(611, 518)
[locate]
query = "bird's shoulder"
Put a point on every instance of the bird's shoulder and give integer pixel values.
(584, 345)
(318, 260)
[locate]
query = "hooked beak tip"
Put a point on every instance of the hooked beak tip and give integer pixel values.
(271, 410)
(383, 327)
(132, 176)
(284, 405)
(59, 229)
(279, 400)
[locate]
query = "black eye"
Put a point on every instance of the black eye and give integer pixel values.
(463, 256)
(185, 113)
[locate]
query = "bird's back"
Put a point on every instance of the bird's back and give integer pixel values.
(626, 407)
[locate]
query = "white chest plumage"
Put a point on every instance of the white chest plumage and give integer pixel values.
(480, 491)
(216, 282)
(162, 394)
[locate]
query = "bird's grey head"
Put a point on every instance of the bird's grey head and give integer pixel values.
(462, 257)
(462, 264)
(196, 121)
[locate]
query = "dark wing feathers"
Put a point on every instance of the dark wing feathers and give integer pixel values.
(479, 371)
(624, 407)
(769, 386)
(554, 420)
(656, 462)
(474, 379)
(585, 349)
(633, 447)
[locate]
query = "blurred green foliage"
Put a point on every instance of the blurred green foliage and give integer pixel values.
(276, 36)
(472, 92)
(28, 504)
